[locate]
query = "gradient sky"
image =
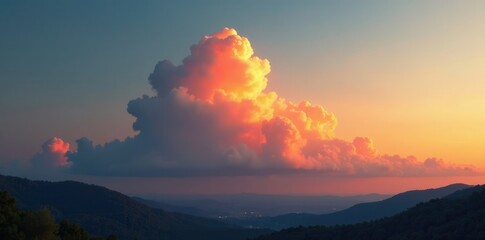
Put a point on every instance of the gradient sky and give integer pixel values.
(407, 74)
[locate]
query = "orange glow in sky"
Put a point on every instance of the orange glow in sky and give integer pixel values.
(349, 103)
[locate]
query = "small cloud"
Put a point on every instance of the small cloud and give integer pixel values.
(50, 160)
(53, 154)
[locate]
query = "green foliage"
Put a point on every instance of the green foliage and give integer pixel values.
(39, 225)
(111, 237)
(36, 225)
(71, 231)
(9, 218)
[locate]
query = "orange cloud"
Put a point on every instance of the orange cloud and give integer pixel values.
(212, 112)
(53, 154)
(51, 161)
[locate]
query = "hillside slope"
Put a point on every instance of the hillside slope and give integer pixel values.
(357, 213)
(446, 218)
(102, 211)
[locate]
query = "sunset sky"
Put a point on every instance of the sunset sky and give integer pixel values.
(296, 97)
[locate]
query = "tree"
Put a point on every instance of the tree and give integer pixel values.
(39, 225)
(71, 231)
(16, 224)
(9, 218)
(111, 237)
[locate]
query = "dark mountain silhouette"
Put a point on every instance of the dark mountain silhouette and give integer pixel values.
(358, 213)
(459, 216)
(189, 210)
(251, 205)
(102, 212)
(18, 224)
(466, 192)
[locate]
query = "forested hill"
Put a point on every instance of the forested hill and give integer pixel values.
(17, 224)
(102, 212)
(357, 213)
(459, 217)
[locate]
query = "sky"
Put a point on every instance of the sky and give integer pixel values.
(313, 97)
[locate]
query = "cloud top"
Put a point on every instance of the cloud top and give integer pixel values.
(53, 154)
(212, 115)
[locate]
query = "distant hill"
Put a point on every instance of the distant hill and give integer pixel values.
(102, 211)
(200, 208)
(358, 213)
(250, 205)
(466, 192)
(458, 217)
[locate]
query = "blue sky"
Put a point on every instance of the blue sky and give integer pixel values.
(390, 70)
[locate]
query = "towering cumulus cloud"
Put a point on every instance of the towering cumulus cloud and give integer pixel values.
(212, 115)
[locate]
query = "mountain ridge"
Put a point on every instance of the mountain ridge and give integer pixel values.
(460, 217)
(357, 213)
(102, 211)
